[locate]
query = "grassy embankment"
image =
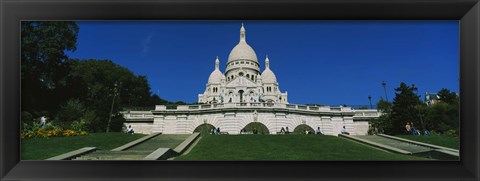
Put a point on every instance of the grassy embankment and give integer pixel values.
(285, 147)
(43, 148)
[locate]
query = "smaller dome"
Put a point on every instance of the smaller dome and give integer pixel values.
(216, 76)
(267, 75)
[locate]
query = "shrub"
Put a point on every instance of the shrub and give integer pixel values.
(72, 111)
(27, 117)
(79, 125)
(451, 132)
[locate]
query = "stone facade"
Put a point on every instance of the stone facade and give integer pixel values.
(244, 95)
(232, 117)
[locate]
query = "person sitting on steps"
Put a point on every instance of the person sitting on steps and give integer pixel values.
(130, 129)
(344, 131)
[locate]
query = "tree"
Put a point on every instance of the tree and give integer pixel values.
(444, 115)
(384, 105)
(383, 124)
(97, 80)
(448, 97)
(43, 72)
(404, 108)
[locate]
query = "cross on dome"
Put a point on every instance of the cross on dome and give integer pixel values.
(243, 35)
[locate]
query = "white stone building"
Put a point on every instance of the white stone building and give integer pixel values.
(242, 81)
(244, 95)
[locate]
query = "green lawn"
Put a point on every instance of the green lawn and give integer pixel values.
(440, 140)
(285, 147)
(43, 148)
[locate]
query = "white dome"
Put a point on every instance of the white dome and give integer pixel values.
(215, 77)
(242, 51)
(267, 75)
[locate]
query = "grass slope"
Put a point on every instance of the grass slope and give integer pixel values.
(43, 148)
(285, 147)
(440, 140)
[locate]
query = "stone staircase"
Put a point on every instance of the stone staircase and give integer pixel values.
(159, 146)
(114, 155)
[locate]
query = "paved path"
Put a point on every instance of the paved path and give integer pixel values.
(137, 152)
(162, 141)
(403, 146)
(397, 144)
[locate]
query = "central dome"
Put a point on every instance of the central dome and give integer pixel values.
(242, 51)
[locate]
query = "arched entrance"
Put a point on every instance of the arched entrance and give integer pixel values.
(300, 129)
(259, 127)
(204, 129)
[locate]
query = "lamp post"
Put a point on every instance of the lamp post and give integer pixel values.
(385, 89)
(419, 113)
(370, 99)
(115, 94)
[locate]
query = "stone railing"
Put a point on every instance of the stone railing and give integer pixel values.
(358, 114)
(366, 113)
(138, 115)
(256, 105)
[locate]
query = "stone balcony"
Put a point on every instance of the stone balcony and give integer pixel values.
(253, 105)
(358, 114)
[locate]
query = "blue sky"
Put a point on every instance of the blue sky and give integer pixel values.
(323, 62)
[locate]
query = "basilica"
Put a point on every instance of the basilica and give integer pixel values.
(244, 95)
(242, 81)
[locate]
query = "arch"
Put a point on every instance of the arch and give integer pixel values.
(261, 128)
(300, 129)
(204, 129)
(240, 74)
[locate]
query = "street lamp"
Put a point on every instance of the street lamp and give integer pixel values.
(385, 89)
(419, 113)
(370, 99)
(115, 94)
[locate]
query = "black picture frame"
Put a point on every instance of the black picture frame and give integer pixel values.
(12, 12)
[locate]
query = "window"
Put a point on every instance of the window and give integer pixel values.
(236, 62)
(240, 74)
(248, 76)
(242, 62)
